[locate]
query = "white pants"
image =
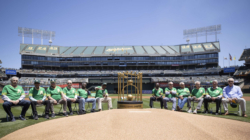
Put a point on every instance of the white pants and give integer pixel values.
(240, 101)
(105, 99)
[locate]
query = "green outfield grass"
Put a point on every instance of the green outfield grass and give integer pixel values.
(8, 127)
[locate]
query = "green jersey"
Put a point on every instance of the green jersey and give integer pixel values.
(13, 93)
(214, 92)
(183, 92)
(170, 95)
(158, 92)
(37, 94)
(198, 92)
(69, 92)
(99, 93)
(82, 93)
(54, 93)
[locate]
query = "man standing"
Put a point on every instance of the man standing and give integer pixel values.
(183, 94)
(83, 96)
(157, 93)
(170, 94)
(197, 96)
(70, 95)
(37, 95)
(14, 95)
(233, 93)
(214, 94)
(102, 96)
(55, 95)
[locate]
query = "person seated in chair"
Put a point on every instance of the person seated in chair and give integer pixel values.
(71, 96)
(182, 94)
(14, 95)
(37, 95)
(83, 94)
(214, 94)
(170, 96)
(55, 95)
(157, 93)
(196, 96)
(102, 96)
(233, 93)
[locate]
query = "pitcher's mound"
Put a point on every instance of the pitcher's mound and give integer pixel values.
(135, 124)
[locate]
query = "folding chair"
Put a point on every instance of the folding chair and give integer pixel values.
(12, 107)
(88, 107)
(211, 108)
(233, 110)
(75, 109)
(38, 105)
(60, 109)
(156, 101)
(193, 107)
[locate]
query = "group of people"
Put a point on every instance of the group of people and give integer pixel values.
(230, 94)
(14, 95)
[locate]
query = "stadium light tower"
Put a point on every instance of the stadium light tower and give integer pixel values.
(35, 33)
(203, 31)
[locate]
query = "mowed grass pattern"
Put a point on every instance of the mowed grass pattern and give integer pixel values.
(8, 127)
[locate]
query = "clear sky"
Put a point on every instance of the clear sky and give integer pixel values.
(123, 22)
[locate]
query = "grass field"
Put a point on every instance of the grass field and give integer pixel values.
(8, 127)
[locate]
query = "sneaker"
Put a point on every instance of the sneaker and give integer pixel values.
(71, 113)
(13, 119)
(178, 108)
(65, 114)
(92, 110)
(46, 116)
(53, 115)
(195, 112)
(189, 111)
(83, 112)
(206, 112)
(36, 117)
(22, 118)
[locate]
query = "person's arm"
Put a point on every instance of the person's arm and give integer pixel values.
(153, 93)
(221, 94)
(106, 93)
(187, 93)
(64, 91)
(22, 95)
(240, 92)
(31, 95)
(4, 95)
(44, 95)
(207, 94)
(161, 94)
(167, 91)
(174, 91)
(225, 92)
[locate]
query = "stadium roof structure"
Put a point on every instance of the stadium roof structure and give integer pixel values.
(245, 55)
(143, 50)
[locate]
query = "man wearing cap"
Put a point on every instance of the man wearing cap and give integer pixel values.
(56, 96)
(157, 93)
(102, 96)
(214, 94)
(196, 96)
(170, 96)
(37, 95)
(83, 94)
(233, 94)
(13, 95)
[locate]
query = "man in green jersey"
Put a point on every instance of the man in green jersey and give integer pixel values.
(71, 96)
(13, 95)
(56, 96)
(157, 93)
(37, 95)
(102, 96)
(170, 94)
(214, 94)
(83, 96)
(183, 94)
(196, 96)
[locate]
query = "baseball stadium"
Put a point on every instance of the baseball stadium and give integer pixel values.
(120, 92)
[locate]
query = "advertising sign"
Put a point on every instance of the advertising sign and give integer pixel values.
(229, 70)
(10, 72)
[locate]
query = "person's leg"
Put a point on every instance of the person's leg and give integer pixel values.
(7, 108)
(99, 101)
(83, 103)
(225, 105)
(199, 104)
(51, 106)
(80, 105)
(242, 103)
(161, 101)
(26, 105)
(93, 101)
(151, 101)
(184, 100)
(218, 102)
(64, 104)
(179, 103)
(69, 105)
(33, 107)
(47, 106)
(107, 99)
(174, 103)
(206, 100)
(165, 100)
(189, 99)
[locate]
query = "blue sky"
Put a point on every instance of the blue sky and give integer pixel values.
(123, 22)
